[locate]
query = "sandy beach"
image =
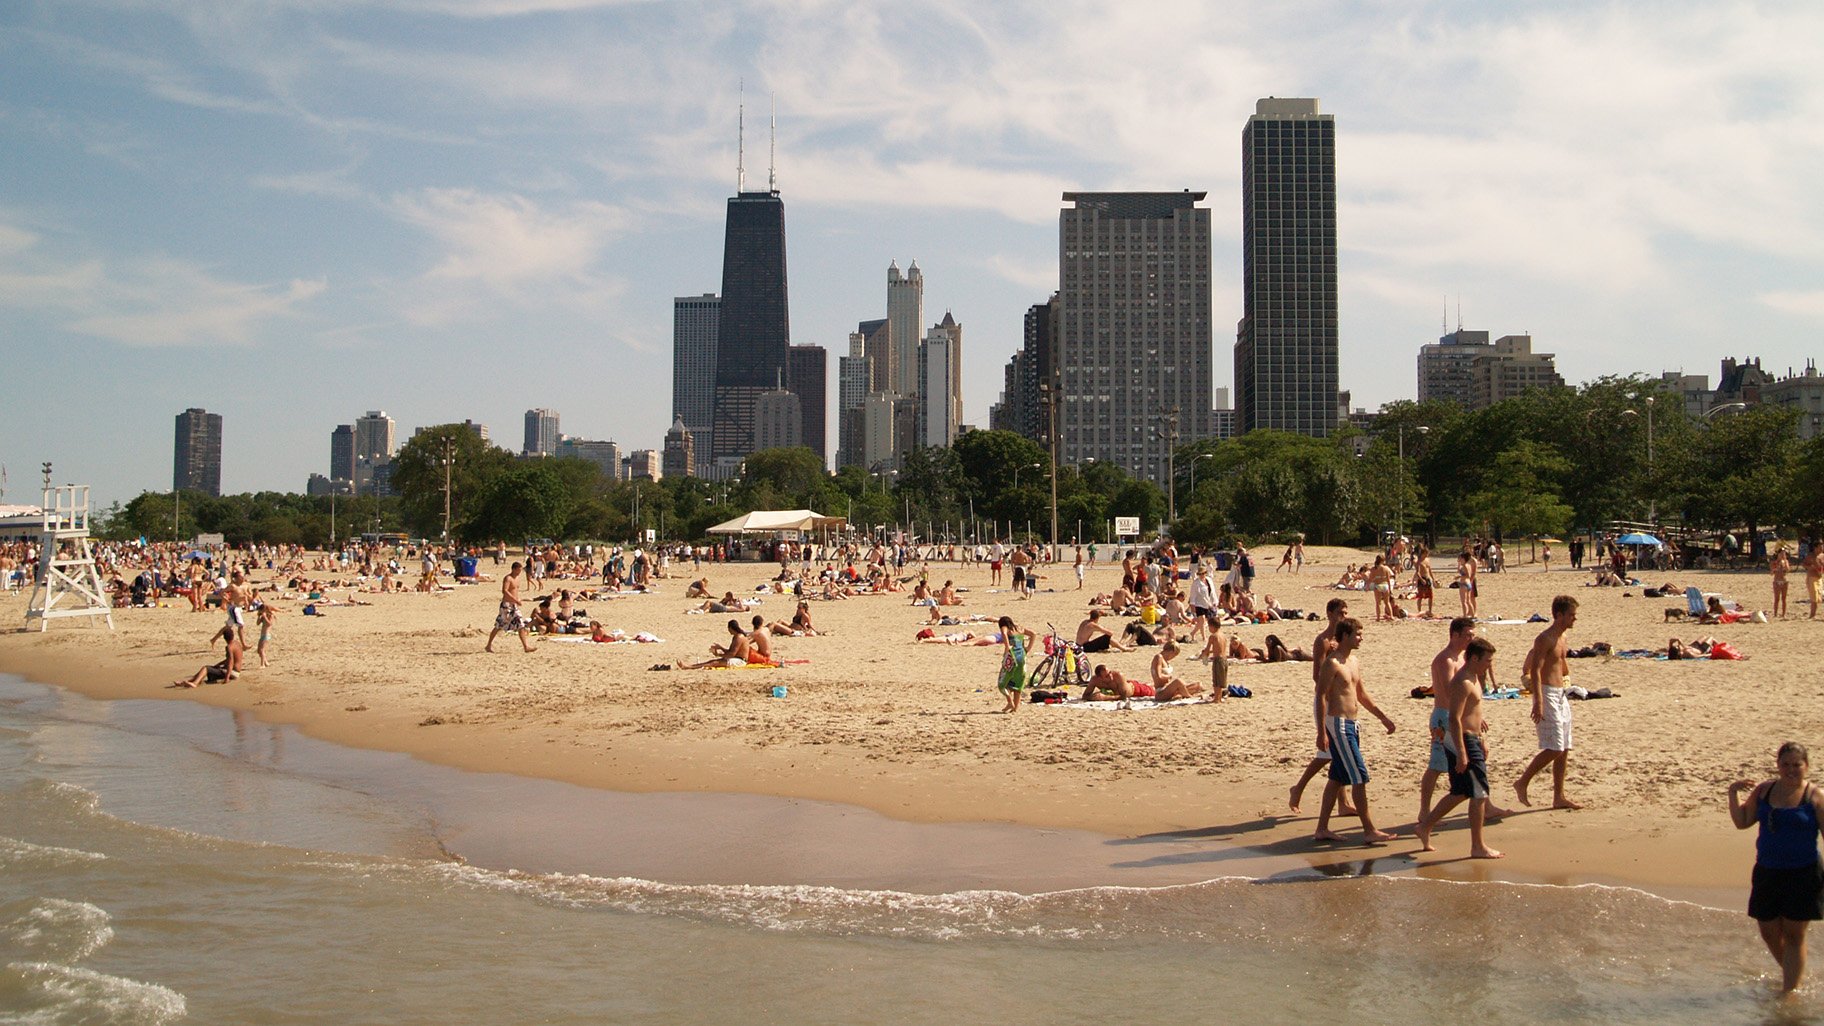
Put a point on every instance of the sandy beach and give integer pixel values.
(872, 718)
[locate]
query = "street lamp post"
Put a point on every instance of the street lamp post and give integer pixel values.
(1016, 473)
(449, 459)
(1400, 521)
(1193, 481)
(1170, 435)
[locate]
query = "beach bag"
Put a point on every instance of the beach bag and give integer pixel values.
(1724, 650)
(1239, 691)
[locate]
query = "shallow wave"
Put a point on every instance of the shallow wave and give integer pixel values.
(17, 854)
(53, 928)
(1330, 913)
(44, 992)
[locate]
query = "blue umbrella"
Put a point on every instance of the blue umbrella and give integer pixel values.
(196, 554)
(1639, 539)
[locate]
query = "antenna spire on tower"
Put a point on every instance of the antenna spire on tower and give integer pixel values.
(741, 139)
(772, 147)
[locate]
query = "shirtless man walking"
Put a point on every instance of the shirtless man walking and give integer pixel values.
(1544, 671)
(1343, 696)
(508, 619)
(1336, 611)
(1444, 667)
(1469, 758)
(1466, 581)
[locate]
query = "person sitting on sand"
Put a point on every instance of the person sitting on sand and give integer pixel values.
(730, 655)
(599, 634)
(1167, 685)
(760, 643)
(1092, 636)
(215, 673)
(946, 596)
(1715, 613)
(543, 622)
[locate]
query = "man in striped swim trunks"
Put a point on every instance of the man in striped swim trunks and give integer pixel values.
(1545, 672)
(1343, 696)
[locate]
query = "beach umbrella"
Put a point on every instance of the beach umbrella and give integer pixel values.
(196, 554)
(1552, 541)
(1638, 538)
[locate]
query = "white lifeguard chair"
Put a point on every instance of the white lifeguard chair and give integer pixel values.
(68, 583)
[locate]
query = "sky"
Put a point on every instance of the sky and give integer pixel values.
(290, 212)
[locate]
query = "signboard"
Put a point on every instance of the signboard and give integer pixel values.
(651, 535)
(1127, 526)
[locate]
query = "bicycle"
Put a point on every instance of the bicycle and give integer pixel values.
(1063, 666)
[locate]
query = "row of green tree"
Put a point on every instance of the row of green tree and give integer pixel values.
(1544, 463)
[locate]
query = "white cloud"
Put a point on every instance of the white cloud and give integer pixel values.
(1803, 304)
(143, 301)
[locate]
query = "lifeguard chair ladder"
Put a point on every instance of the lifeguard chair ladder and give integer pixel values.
(68, 583)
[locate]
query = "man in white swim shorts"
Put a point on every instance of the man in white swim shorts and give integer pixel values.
(1545, 672)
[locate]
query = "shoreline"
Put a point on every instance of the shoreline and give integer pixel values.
(1231, 812)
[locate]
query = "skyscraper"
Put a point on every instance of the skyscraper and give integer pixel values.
(940, 407)
(541, 432)
(680, 457)
(693, 368)
(342, 453)
(1132, 339)
(374, 437)
(196, 465)
(1286, 343)
(753, 331)
(807, 375)
(905, 326)
(853, 376)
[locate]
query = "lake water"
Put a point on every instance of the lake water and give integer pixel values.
(168, 862)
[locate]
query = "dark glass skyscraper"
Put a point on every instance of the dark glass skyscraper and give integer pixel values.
(1286, 343)
(753, 331)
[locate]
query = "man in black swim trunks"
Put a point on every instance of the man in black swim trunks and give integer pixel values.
(1096, 638)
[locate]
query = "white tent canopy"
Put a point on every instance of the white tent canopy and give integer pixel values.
(770, 521)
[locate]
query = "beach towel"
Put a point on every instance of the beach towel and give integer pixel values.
(1133, 705)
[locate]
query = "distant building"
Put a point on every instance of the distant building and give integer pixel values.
(1286, 343)
(694, 321)
(541, 432)
(880, 431)
(1509, 368)
(1222, 416)
(854, 375)
(342, 453)
(940, 382)
(753, 329)
(1741, 382)
(1020, 409)
(605, 455)
(478, 430)
(197, 462)
(1132, 338)
(645, 463)
(807, 375)
(778, 419)
(1803, 392)
(374, 436)
(318, 486)
(1444, 367)
(1694, 389)
(905, 321)
(680, 457)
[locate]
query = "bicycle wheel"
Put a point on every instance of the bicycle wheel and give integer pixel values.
(1047, 667)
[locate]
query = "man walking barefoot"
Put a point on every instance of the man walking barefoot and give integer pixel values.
(1545, 670)
(1344, 697)
(1336, 610)
(1469, 758)
(508, 619)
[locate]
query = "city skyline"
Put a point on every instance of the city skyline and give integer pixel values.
(441, 187)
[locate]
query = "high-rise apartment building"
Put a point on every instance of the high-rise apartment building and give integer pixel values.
(342, 453)
(1020, 409)
(541, 433)
(807, 375)
(1445, 367)
(1132, 339)
(778, 419)
(1286, 343)
(694, 321)
(196, 465)
(1510, 367)
(646, 463)
(753, 331)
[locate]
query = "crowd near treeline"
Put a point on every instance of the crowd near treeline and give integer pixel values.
(1547, 462)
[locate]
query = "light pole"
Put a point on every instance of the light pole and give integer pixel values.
(1723, 408)
(1016, 473)
(1652, 500)
(1400, 522)
(1193, 481)
(1171, 464)
(449, 458)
